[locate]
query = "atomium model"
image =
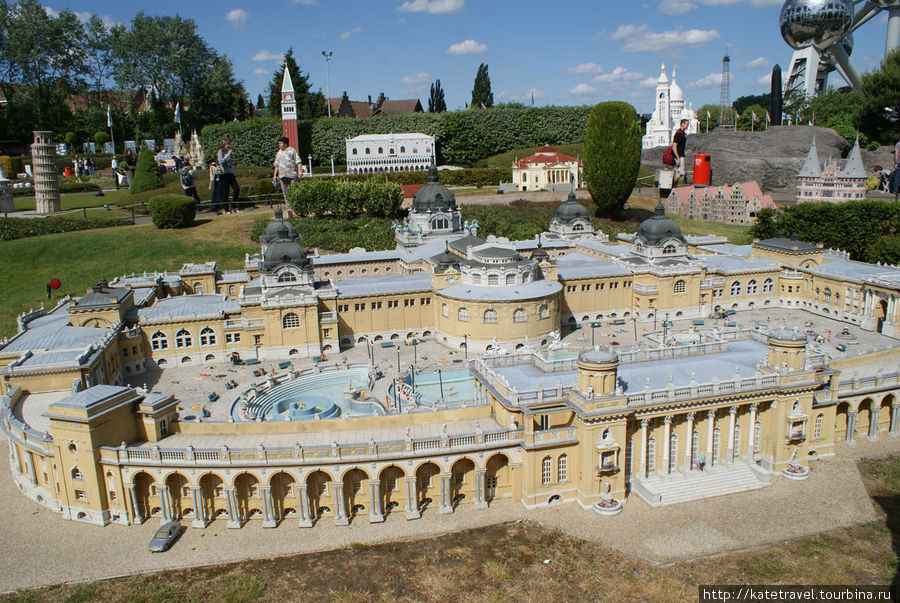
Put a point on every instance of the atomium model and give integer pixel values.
(821, 34)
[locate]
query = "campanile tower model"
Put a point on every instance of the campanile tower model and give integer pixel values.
(46, 181)
(289, 110)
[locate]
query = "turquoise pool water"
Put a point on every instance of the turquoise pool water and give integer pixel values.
(458, 387)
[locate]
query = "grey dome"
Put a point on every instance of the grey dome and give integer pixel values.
(657, 228)
(571, 210)
(434, 196)
(277, 229)
(284, 252)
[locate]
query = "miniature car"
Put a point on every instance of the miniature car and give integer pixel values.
(165, 536)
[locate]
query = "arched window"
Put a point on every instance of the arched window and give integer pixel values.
(680, 286)
(159, 341)
(717, 437)
(695, 446)
(445, 311)
(546, 470)
(198, 288)
(752, 287)
(669, 249)
(354, 151)
(402, 149)
(673, 452)
(183, 339)
(368, 152)
(651, 454)
(562, 469)
(391, 151)
(290, 321)
(490, 316)
(736, 288)
(578, 227)
(231, 290)
(287, 277)
(440, 223)
(476, 279)
(519, 315)
(380, 150)
(768, 286)
(207, 336)
(817, 430)
(463, 315)
(826, 295)
(737, 439)
(76, 473)
(757, 435)
(511, 279)
(493, 279)
(544, 312)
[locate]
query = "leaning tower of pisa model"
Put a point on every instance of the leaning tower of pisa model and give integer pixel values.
(43, 165)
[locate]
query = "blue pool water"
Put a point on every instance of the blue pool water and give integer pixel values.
(458, 384)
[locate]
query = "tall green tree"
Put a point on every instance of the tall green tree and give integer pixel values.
(713, 121)
(99, 52)
(309, 104)
(879, 117)
(481, 91)
(612, 155)
(436, 102)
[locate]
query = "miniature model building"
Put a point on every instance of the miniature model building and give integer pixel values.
(547, 170)
(521, 417)
(374, 153)
(668, 112)
(828, 182)
(736, 204)
(46, 180)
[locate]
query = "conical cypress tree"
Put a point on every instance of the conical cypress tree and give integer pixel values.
(146, 173)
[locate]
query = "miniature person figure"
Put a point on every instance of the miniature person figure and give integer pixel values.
(288, 166)
(679, 141)
(701, 462)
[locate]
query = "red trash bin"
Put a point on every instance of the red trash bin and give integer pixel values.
(702, 170)
(67, 171)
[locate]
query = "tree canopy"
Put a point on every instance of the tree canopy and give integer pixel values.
(436, 102)
(481, 91)
(612, 155)
(879, 117)
(309, 104)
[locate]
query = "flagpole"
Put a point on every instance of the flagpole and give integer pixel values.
(112, 135)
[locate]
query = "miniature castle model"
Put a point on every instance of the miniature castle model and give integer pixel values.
(668, 113)
(289, 111)
(46, 179)
(828, 182)
(736, 204)
(310, 442)
(197, 156)
(434, 215)
(376, 153)
(547, 170)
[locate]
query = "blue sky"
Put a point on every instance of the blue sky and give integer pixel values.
(574, 52)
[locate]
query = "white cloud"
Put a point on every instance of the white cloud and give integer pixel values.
(583, 90)
(521, 96)
(261, 71)
(346, 35)
(619, 78)
(639, 38)
(676, 7)
(237, 16)
(585, 69)
(83, 16)
(765, 80)
(757, 63)
(648, 82)
(51, 12)
(713, 80)
(680, 7)
(433, 7)
(416, 78)
(467, 47)
(265, 55)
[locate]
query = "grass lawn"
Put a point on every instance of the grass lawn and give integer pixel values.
(522, 561)
(80, 259)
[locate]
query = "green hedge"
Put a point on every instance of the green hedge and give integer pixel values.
(318, 197)
(463, 137)
(146, 173)
(20, 228)
(172, 211)
(468, 177)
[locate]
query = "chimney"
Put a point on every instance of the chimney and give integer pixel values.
(370, 99)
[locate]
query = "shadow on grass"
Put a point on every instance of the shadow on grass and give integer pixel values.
(890, 504)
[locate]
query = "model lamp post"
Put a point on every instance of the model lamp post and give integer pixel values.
(328, 56)
(309, 159)
(466, 347)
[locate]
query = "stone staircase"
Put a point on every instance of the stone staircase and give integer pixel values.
(716, 481)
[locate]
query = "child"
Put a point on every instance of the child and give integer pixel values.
(187, 182)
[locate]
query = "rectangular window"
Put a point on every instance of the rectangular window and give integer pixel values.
(80, 495)
(359, 307)
(343, 307)
(392, 303)
(326, 333)
(113, 497)
(376, 305)
(257, 340)
(602, 286)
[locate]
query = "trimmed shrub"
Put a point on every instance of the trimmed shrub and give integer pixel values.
(146, 174)
(612, 155)
(172, 211)
(318, 197)
(12, 165)
(19, 228)
(100, 138)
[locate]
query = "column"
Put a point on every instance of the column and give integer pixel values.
(29, 466)
(689, 443)
(445, 506)
(14, 454)
(480, 502)
(412, 499)
(851, 427)
(873, 422)
(729, 456)
(711, 423)
(376, 514)
(199, 511)
(164, 503)
(667, 426)
(895, 415)
(340, 505)
(234, 518)
(269, 519)
(306, 516)
(751, 433)
(643, 458)
(136, 507)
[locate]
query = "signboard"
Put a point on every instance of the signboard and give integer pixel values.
(597, 324)
(109, 148)
(130, 144)
(150, 144)
(89, 147)
(169, 145)
(61, 148)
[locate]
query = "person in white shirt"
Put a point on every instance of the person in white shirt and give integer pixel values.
(288, 166)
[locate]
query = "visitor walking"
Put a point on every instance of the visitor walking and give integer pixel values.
(130, 165)
(226, 178)
(679, 141)
(215, 188)
(187, 181)
(288, 166)
(114, 167)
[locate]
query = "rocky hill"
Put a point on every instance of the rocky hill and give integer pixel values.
(772, 157)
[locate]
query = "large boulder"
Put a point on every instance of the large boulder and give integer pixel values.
(772, 157)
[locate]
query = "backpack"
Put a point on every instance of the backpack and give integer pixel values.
(668, 157)
(187, 179)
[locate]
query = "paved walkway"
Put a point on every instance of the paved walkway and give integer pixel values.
(34, 540)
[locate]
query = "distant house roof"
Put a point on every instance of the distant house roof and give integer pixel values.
(344, 107)
(545, 154)
(409, 190)
(399, 107)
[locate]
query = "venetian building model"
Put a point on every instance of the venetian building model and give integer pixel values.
(375, 153)
(547, 170)
(289, 111)
(434, 215)
(668, 112)
(828, 182)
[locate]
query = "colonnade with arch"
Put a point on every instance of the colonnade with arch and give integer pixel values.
(866, 416)
(343, 494)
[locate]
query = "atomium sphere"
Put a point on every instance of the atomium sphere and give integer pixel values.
(819, 23)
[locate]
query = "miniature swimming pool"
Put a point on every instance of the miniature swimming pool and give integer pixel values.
(458, 387)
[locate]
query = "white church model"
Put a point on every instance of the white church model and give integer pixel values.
(667, 114)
